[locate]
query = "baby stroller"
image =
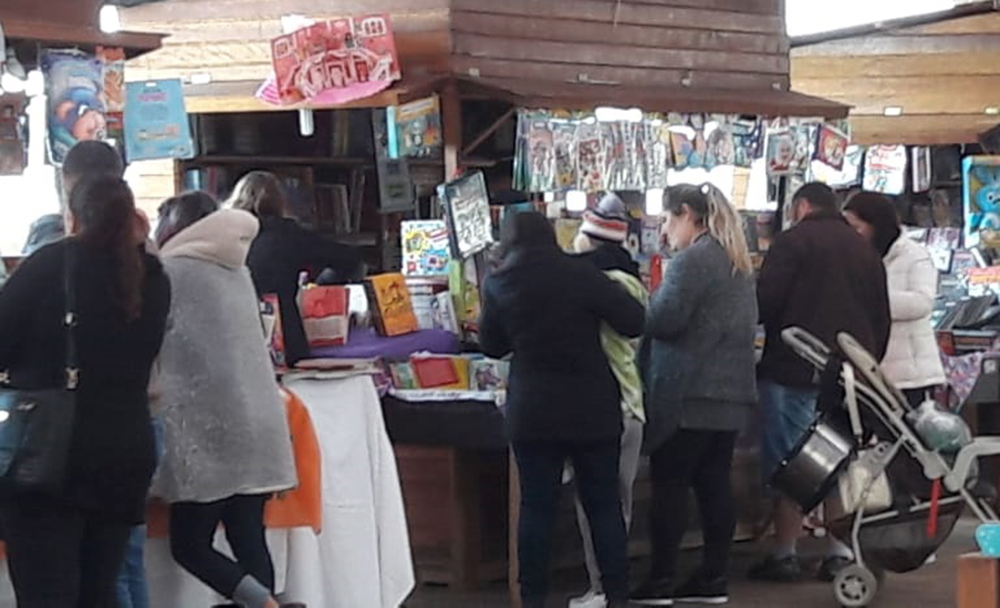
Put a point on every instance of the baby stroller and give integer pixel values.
(901, 498)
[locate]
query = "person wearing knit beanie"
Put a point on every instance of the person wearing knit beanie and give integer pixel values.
(608, 222)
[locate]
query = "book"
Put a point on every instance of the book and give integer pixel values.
(274, 336)
(467, 205)
(325, 312)
(418, 128)
(489, 374)
(391, 304)
(441, 371)
(403, 377)
(444, 313)
(425, 247)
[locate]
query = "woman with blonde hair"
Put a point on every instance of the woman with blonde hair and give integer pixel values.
(284, 249)
(698, 368)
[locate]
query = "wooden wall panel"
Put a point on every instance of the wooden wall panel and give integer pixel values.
(805, 68)
(920, 130)
(916, 95)
(903, 44)
(173, 11)
(979, 24)
(152, 182)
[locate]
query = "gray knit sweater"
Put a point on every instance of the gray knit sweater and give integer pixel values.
(698, 354)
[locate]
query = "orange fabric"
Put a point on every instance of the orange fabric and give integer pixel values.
(302, 506)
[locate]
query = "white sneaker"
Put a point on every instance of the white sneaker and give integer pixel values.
(592, 599)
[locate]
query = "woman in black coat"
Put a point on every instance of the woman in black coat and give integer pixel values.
(64, 550)
(283, 249)
(563, 401)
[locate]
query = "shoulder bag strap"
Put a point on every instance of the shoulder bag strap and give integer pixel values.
(70, 320)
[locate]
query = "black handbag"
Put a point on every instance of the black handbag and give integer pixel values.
(36, 426)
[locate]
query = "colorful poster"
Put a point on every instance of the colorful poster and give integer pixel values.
(564, 140)
(541, 149)
(885, 169)
(156, 123)
(418, 128)
(831, 147)
(981, 195)
(425, 248)
(780, 152)
(467, 203)
(590, 157)
(74, 87)
(336, 61)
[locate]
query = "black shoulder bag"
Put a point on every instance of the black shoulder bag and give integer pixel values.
(36, 427)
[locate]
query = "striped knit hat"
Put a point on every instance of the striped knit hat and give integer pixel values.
(608, 222)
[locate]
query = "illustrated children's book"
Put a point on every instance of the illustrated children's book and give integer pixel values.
(390, 300)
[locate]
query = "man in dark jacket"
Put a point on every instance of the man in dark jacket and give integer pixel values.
(819, 276)
(563, 402)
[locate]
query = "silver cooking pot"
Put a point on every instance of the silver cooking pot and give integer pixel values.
(810, 471)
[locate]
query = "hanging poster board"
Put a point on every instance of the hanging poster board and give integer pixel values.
(466, 202)
(156, 122)
(885, 169)
(981, 198)
(74, 88)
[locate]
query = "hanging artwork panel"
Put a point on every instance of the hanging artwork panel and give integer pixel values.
(466, 202)
(831, 147)
(981, 198)
(885, 169)
(74, 88)
(156, 122)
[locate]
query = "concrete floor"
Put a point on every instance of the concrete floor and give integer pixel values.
(931, 586)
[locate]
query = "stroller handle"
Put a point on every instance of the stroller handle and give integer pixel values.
(806, 345)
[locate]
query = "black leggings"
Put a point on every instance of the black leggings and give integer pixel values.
(699, 460)
(193, 526)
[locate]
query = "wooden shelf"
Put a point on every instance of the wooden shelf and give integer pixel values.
(279, 160)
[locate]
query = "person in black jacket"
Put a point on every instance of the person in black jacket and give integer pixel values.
(563, 402)
(825, 278)
(66, 549)
(283, 249)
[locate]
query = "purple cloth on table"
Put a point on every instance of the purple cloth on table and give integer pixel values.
(367, 344)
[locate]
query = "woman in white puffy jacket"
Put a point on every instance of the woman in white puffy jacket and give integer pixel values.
(913, 361)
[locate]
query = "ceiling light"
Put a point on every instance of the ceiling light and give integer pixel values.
(576, 201)
(110, 19)
(608, 114)
(992, 111)
(893, 111)
(201, 78)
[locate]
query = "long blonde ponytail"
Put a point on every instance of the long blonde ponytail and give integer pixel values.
(717, 214)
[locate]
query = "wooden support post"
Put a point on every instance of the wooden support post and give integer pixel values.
(514, 515)
(466, 532)
(451, 114)
(488, 132)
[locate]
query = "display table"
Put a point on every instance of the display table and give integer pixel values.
(362, 557)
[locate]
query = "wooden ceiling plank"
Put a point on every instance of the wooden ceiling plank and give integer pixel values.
(976, 24)
(919, 130)
(945, 64)
(763, 7)
(607, 54)
(597, 10)
(570, 30)
(633, 76)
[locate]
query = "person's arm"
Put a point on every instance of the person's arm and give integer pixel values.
(881, 313)
(493, 338)
(18, 298)
(916, 301)
(680, 294)
(321, 253)
(775, 280)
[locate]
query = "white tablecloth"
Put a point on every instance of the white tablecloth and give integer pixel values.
(362, 558)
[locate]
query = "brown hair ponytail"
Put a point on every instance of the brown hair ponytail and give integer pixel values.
(104, 214)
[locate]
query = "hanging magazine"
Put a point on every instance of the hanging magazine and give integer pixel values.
(466, 203)
(564, 137)
(425, 248)
(658, 153)
(590, 165)
(541, 149)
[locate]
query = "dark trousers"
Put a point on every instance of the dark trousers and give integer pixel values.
(193, 526)
(595, 466)
(702, 461)
(60, 557)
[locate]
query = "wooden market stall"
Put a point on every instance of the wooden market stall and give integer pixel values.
(942, 71)
(485, 60)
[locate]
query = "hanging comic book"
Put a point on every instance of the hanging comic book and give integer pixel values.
(418, 127)
(804, 136)
(564, 138)
(721, 145)
(425, 248)
(74, 88)
(522, 154)
(612, 139)
(748, 136)
(590, 157)
(831, 147)
(780, 151)
(885, 169)
(658, 155)
(541, 150)
(699, 142)
(466, 201)
(634, 167)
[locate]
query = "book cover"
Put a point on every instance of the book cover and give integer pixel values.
(325, 313)
(390, 300)
(466, 202)
(274, 336)
(418, 128)
(403, 377)
(489, 374)
(885, 169)
(981, 200)
(441, 371)
(425, 248)
(444, 313)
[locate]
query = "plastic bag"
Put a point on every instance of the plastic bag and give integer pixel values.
(940, 430)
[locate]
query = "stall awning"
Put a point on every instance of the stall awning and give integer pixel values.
(587, 96)
(25, 33)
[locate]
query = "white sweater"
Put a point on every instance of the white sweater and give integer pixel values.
(912, 359)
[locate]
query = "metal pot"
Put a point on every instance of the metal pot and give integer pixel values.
(810, 471)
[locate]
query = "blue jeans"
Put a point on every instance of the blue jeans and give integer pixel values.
(788, 412)
(132, 588)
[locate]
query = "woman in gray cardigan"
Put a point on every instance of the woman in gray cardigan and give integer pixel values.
(698, 368)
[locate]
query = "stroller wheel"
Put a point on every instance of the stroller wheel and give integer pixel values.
(855, 586)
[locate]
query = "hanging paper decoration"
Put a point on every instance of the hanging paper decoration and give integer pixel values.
(885, 169)
(780, 152)
(564, 139)
(981, 197)
(831, 147)
(156, 122)
(12, 149)
(333, 62)
(74, 87)
(418, 128)
(590, 165)
(541, 147)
